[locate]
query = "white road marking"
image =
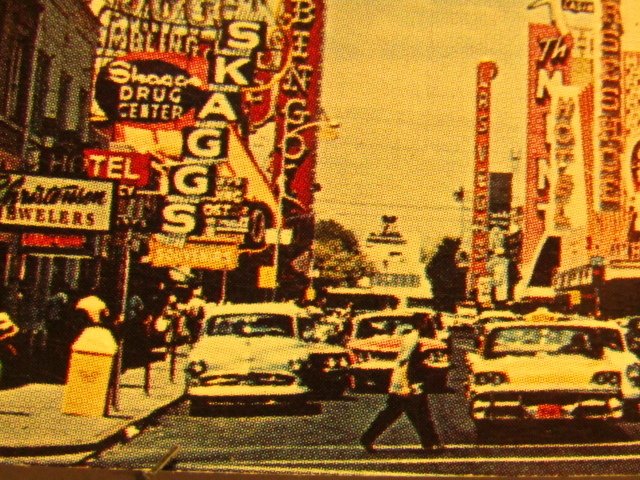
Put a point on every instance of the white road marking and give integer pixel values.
(417, 446)
(320, 471)
(416, 461)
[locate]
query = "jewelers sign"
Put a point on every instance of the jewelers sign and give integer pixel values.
(55, 203)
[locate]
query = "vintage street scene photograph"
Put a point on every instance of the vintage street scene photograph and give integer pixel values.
(331, 238)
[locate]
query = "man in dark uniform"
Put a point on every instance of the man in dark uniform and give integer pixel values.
(406, 393)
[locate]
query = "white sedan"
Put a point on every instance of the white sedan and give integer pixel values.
(254, 353)
(554, 370)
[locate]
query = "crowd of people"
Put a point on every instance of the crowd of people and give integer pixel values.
(154, 316)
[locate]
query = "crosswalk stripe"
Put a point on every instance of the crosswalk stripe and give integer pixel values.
(415, 461)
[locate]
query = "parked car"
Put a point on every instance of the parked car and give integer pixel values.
(633, 334)
(375, 342)
(533, 371)
(254, 353)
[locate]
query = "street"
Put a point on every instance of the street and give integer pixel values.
(324, 439)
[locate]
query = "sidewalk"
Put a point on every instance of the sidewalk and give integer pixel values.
(31, 422)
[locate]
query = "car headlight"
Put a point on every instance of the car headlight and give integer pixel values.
(196, 368)
(633, 374)
(436, 356)
(337, 361)
(296, 365)
(331, 362)
(490, 378)
(606, 378)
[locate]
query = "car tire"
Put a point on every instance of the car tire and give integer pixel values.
(198, 407)
(334, 391)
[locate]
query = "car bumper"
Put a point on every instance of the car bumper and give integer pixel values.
(248, 394)
(546, 406)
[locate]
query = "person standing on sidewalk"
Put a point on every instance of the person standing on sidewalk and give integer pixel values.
(8, 331)
(406, 393)
(194, 313)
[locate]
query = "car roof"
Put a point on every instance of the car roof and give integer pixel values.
(274, 308)
(397, 312)
(574, 322)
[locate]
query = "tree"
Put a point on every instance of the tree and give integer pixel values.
(337, 256)
(447, 279)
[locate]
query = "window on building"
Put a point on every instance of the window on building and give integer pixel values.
(41, 80)
(16, 76)
(64, 97)
(83, 113)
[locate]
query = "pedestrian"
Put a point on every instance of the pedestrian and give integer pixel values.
(135, 335)
(56, 318)
(94, 311)
(194, 313)
(8, 352)
(406, 393)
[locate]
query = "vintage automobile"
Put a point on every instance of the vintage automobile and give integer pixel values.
(532, 371)
(254, 353)
(375, 342)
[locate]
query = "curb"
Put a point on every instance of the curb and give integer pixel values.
(105, 442)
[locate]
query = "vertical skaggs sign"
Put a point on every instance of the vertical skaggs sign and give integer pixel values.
(200, 203)
(487, 71)
(610, 119)
(297, 111)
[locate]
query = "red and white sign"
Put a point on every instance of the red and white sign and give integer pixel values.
(550, 62)
(487, 71)
(126, 168)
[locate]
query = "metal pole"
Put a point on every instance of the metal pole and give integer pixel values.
(276, 248)
(223, 288)
(126, 260)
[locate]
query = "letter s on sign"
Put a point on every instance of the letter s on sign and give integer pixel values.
(179, 218)
(244, 35)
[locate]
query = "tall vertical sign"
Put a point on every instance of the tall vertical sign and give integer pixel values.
(297, 115)
(298, 118)
(487, 71)
(549, 69)
(610, 129)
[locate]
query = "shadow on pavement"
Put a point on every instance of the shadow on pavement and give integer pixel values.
(257, 410)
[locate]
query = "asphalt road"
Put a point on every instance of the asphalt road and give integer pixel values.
(323, 439)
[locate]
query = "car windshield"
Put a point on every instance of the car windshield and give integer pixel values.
(552, 340)
(251, 325)
(387, 325)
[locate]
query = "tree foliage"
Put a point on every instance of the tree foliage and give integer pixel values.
(447, 279)
(337, 255)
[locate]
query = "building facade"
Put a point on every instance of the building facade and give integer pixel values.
(46, 54)
(579, 230)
